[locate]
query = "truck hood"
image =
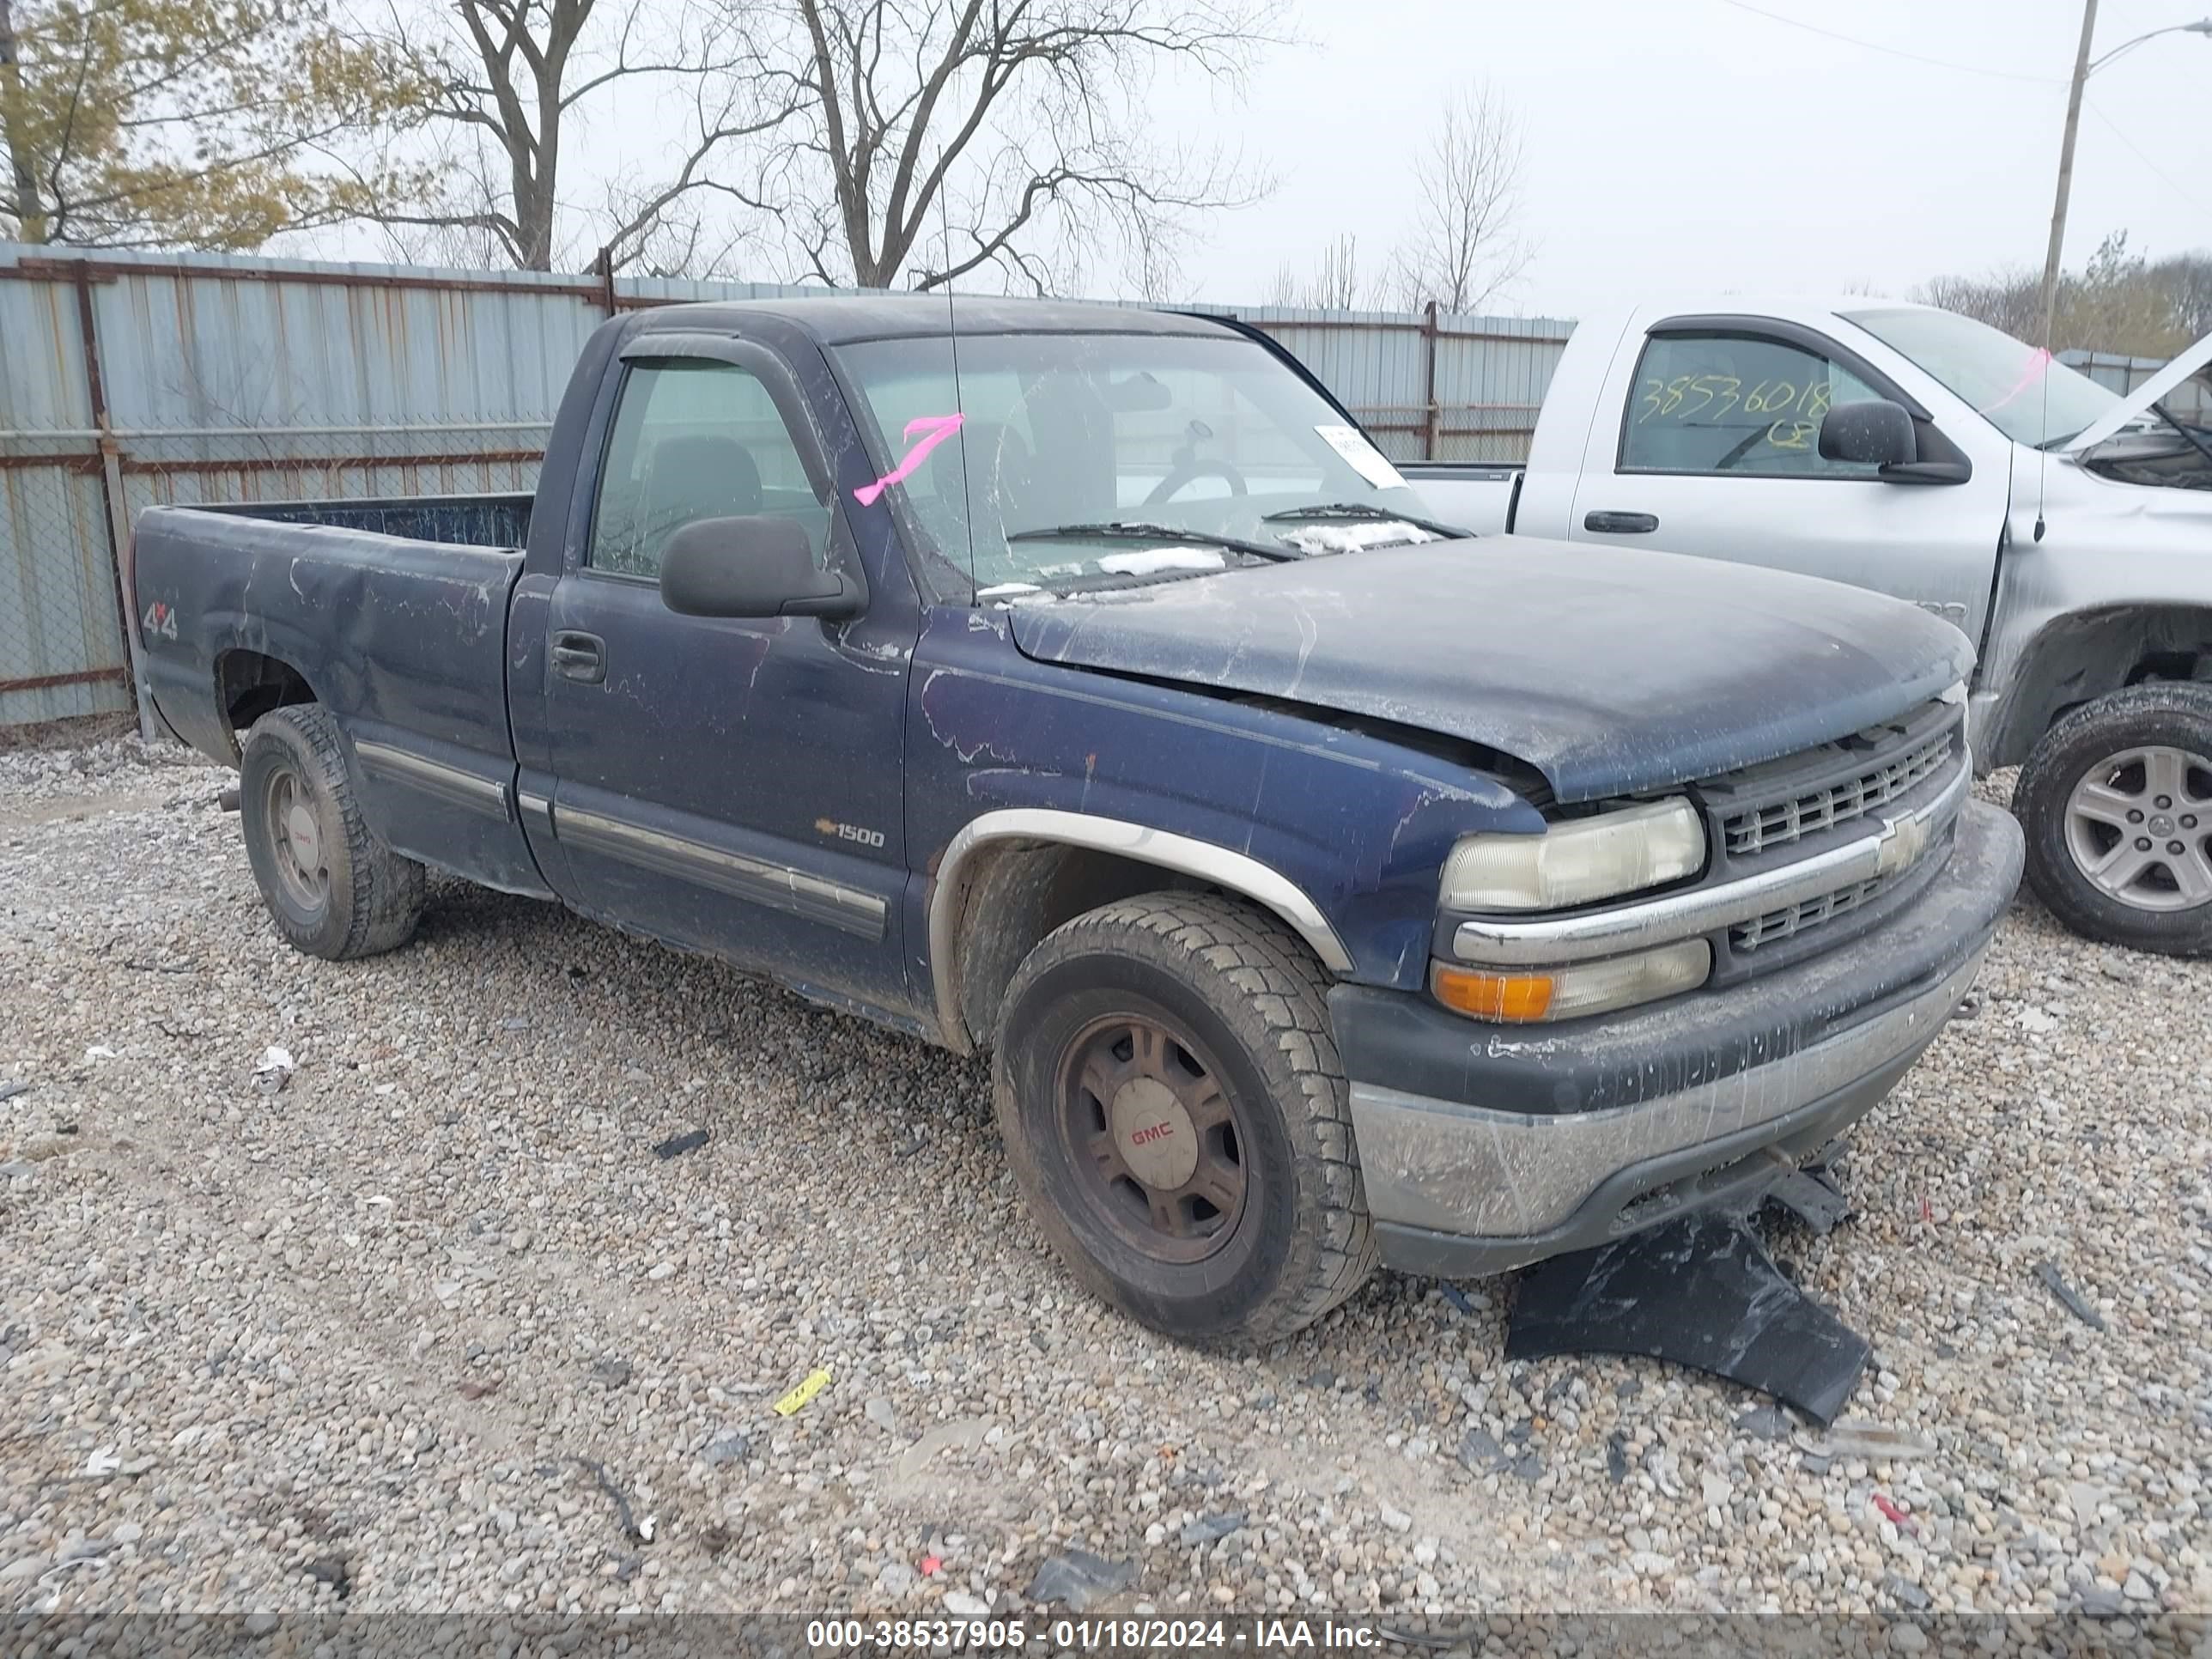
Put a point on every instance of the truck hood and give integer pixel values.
(1610, 671)
(2133, 405)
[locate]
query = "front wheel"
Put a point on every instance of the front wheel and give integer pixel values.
(2117, 802)
(1178, 1121)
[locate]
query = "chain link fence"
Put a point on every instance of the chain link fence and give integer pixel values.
(61, 651)
(66, 497)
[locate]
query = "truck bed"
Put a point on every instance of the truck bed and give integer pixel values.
(401, 636)
(500, 520)
(1472, 495)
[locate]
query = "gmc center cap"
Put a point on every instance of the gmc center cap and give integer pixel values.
(1155, 1134)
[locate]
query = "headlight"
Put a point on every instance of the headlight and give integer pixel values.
(1567, 993)
(1574, 862)
(1956, 694)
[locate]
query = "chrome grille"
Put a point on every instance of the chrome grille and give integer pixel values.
(1777, 824)
(1747, 936)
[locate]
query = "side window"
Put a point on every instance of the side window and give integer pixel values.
(692, 439)
(1733, 403)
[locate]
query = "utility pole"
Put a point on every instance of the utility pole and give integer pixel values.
(2065, 172)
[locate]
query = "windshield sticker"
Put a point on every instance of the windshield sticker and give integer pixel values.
(1366, 461)
(1147, 560)
(933, 429)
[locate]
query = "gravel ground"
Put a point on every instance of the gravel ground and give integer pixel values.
(433, 1327)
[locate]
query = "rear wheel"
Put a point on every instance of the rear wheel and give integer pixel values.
(2116, 801)
(1178, 1121)
(333, 890)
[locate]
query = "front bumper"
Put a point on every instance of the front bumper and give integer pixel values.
(1485, 1148)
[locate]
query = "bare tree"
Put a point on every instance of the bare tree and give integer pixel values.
(519, 77)
(1334, 283)
(936, 140)
(1465, 248)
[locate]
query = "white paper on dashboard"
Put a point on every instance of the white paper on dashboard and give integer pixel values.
(1366, 461)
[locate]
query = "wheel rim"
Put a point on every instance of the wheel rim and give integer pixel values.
(2139, 827)
(296, 840)
(1153, 1136)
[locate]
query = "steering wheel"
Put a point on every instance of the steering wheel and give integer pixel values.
(1189, 472)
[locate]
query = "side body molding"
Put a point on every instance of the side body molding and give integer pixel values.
(1235, 871)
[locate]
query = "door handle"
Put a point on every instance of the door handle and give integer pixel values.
(579, 657)
(1621, 524)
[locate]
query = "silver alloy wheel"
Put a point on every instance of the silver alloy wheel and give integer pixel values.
(2139, 826)
(295, 838)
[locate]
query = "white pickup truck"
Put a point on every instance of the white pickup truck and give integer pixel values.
(2066, 529)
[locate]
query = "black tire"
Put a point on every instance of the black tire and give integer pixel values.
(363, 898)
(2160, 714)
(1241, 1001)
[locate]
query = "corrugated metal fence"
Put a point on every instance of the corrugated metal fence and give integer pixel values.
(2191, 400)
(126, 380)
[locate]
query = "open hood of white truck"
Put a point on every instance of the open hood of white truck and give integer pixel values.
(2134, 403)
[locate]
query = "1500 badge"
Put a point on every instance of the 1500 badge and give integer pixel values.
(852, 832)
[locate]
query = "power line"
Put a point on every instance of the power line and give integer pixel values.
(2112, 127)
(1893, 51)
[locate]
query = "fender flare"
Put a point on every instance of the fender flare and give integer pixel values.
(1236, 873)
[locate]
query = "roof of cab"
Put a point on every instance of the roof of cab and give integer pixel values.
(843, 319)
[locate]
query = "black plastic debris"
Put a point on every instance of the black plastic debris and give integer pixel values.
(1616, 1456)
(1480, 1451)
(1814, 1198)
(631, 1531)
(9, 1090)
(1764, 1423)
(1078, 1578)
(1211, 1529)
(1701, 1291)
(677, 1146)
(331, 1570)
(2067, 1295)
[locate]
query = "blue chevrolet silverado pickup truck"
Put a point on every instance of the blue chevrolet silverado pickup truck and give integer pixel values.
(1079, 684)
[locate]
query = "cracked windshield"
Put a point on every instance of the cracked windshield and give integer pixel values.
(1062, 461)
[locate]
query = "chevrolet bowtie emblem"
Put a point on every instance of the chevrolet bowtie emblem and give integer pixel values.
(1903, 841)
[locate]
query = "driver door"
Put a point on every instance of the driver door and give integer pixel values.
(727, 786)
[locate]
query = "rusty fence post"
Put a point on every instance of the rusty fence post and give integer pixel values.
(604, 268)
(1435, 427)
(111, 495)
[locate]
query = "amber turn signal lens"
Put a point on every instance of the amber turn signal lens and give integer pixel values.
(1494, 996)
(1573, 989)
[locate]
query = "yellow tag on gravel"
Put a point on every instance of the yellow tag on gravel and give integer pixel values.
(815, 1382)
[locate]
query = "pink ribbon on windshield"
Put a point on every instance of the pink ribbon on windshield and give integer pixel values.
(2035, 367)
(934, 430)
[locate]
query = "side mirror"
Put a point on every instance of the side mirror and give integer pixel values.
(1878, 433)
(754, 566)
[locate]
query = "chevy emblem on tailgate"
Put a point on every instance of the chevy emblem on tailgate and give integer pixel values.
(1903, 841)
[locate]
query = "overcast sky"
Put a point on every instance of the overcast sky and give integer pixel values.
(1700, 144)
(1699, 141)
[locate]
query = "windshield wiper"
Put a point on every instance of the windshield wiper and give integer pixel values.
(2188, 436)
(1367, 510)
(1124, 530)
